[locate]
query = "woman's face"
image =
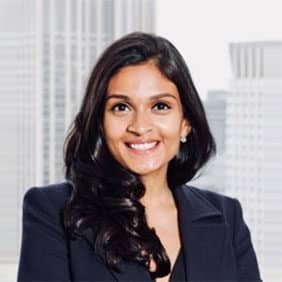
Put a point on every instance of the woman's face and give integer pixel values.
(143, 119)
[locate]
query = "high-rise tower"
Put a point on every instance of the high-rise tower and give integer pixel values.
(254, 146)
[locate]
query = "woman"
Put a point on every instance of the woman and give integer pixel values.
(125, 213)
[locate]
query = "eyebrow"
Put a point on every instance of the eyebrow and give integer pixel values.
(125, 97)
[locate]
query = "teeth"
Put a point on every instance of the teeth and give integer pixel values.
(143, 146)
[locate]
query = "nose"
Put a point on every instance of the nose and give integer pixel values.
(140, 124)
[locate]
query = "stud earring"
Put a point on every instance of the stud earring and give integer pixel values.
(183, 139)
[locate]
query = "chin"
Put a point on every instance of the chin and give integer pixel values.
(145, 171)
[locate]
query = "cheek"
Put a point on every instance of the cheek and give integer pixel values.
(113, 130)
(111, 135)
(171, 128)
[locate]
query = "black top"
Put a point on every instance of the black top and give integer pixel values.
(178, 273)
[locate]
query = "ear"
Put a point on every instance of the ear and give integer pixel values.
(185, 127)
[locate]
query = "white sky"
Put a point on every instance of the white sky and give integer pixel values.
(202, 30)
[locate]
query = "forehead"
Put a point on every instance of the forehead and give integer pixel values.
(145, 78)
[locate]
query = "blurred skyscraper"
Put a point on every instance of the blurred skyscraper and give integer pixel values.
(215, 106)
(44, 64)
(15, 119)
(213, 176)
(254, 147)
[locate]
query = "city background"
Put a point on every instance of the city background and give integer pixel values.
(234, 52)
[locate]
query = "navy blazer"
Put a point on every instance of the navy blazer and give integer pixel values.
(215, 239)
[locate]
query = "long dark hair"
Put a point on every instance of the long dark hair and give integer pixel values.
(105, 195)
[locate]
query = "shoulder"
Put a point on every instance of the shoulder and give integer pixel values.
(229, 207)
(56, 192)
(51, 198)
(221, 201)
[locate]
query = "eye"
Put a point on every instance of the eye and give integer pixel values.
(161, 106)
(120, 107)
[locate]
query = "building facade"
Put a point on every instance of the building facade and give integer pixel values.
(254, 147)
(15, 146)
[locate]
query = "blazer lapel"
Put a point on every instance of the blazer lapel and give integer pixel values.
(129, 271)
(202, 232)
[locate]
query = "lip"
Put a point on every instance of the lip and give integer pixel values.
(141, 152)
(140, 141)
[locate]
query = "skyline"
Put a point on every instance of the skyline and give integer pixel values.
(204, 39)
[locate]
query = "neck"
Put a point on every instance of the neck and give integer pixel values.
(157, 192)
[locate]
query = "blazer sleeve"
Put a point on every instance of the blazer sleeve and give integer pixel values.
(43, 254)
(247, 264)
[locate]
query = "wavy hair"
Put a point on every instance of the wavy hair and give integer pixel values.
(105, 195)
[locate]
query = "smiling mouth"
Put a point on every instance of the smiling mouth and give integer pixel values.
(143, 146)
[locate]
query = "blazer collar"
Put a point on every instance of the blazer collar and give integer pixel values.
(201, 230)
(192, 205)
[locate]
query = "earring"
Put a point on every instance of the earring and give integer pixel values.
(183, 139)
